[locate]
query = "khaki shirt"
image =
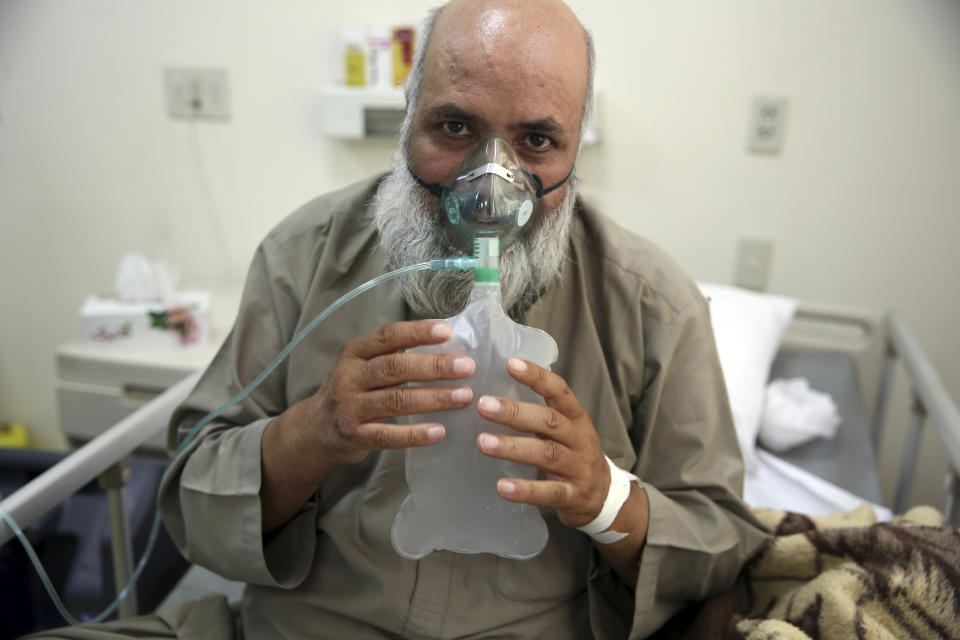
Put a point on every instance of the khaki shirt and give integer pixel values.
(635, 346)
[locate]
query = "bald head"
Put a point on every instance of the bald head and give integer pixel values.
(533, 37)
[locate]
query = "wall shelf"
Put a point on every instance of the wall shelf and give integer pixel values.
(353, 113)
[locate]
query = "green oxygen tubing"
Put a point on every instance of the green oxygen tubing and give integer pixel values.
(438, 264)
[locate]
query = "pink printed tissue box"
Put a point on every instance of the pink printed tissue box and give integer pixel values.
(183, 321)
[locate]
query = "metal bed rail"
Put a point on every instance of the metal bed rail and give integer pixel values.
(857, 331)
(100, 458)
(930, 402)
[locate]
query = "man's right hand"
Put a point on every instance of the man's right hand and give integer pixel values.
(343, 421)
(366, 385)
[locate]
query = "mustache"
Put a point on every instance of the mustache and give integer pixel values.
(405, 213)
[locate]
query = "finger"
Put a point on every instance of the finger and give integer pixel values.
(376, 436)
(398, 368)
(397, 336)
(549, 455)
(525, 416)
(545, 493)
(406, 401)
(554, 389)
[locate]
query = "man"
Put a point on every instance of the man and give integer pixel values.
(294, 490)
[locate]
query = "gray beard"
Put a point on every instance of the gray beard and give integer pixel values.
(405, 219)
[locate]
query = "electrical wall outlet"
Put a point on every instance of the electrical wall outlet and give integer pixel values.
(197, 93)
(768, 118)
(754, 258)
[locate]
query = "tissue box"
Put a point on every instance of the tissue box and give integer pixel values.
(185, 321)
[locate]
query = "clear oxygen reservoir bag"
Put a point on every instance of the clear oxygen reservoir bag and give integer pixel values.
(453, 503)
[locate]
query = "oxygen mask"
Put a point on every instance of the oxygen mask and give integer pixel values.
(489, 194)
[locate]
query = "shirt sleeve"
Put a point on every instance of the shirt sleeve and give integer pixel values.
(700, 532)
(209, 498)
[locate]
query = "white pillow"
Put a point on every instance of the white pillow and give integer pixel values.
(747, 326)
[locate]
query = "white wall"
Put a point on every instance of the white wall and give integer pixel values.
(861, 205)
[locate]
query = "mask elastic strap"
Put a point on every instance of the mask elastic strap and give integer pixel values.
(540, 190)
(435, 189)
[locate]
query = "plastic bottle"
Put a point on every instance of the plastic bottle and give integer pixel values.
(453, 503)
(379, 58)
(354, 57)
(403, 44)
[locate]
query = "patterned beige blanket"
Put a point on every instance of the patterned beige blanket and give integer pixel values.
(842, 577)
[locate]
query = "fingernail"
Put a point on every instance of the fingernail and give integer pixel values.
(488, 442)
(463, 365)
(506, 487)
(435, 433)
(441, 330)
(462, 394)
(489, 404)
(517, 365)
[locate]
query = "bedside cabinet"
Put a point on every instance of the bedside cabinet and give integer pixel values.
(97, 386)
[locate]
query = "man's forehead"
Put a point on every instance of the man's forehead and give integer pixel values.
(501, 31)
(526, 59)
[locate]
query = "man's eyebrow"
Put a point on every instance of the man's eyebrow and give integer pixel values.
(547, 125)
(450, 111)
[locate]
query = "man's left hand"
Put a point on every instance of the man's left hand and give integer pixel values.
(567, 448)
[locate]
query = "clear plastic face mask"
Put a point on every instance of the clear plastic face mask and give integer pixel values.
(488, 194)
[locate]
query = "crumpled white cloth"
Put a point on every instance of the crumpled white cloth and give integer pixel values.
(793, 413)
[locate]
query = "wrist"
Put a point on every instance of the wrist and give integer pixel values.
(296, 448)
(634, 517)
(601, 528)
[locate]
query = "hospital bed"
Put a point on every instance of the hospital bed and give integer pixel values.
(855, 356)
(849, 353)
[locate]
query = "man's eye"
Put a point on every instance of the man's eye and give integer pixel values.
(455, 128)
(538, 141)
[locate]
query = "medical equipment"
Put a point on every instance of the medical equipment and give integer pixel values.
(453, 503)
(489, 193)
(488, 203)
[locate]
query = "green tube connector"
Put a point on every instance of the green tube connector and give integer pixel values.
(486, 249)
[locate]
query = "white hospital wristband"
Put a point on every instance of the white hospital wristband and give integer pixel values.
(616, 497)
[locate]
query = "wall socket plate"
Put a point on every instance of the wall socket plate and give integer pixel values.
(754, 258)
(768, 119)
(194, 93)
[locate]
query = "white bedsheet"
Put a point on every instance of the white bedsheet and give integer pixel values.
(777, 484)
